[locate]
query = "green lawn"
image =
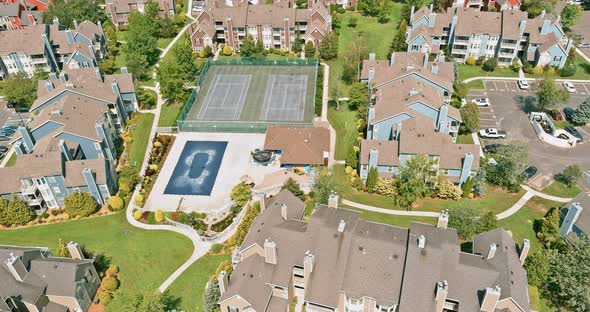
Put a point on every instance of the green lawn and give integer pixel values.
(469, 71)
(559, 124)
(121, 35)
(476, 84)
(11, 161)
(561, 190)
(583, 71)
(169, 114)
(140, 139)
(344, 122)
(401, 221)
(145, 258)
(465, 139)
(164, 42)
(190, 286)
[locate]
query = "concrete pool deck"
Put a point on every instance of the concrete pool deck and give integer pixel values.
(235, 164)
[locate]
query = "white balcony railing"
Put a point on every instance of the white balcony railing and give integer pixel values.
(28, 189)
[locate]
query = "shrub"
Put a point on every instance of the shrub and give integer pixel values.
(446, 189)
(480, 60)
(66, 217)
(116, 202)
(467, 186)
(241, 194)
(159, 216)
(570, 175)
(470, 60)
(490, 64)
(223, 266)
(54, 212)
(515, 66)
(45, 215)
(112, 270)
(216, 248)
(104, 297)
(15, 212)
(352, 157)
(80, 204)
(568, 70)
(372, 179)
(386, 187)
(537, 71)
(124, 187)
(139, 200)
(110, 283)
(238, 238)
(227, 50)
(137, 215)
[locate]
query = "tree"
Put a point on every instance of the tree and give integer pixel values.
(241, 193)
(208, 51)
(446, 189)
(352, 157)
(328, 48)
(248, 47)
(137, 64)
(14, 212)
(372, 179)
(358, 95)
(20, 90)
(511, 160)
(227, 50)
(297, 43)
(309, 49)
(479, 183)
(385, 8)
(419, 170)
(570, 175)
(301, 4)
(469, 220)
(490, 64)
(211, 297)
(142, 37)
(399, 40)
(467, 187)
(568, 278)
(550, 95)
(352, 21)
(460, 89)
(80, 204)
(69, 10)
(185, 57)
(570, 14)
(582, 115)
(353, 56)
(62, 249)
(569, 69)
(294, 188)
(470, 116)
(536, 7)
(171, 80)
(324, 185)
(537, 267)
(144, 301)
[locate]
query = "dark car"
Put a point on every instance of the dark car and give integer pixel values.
(492, 148)
(569, 113)
(556, 115)
(3, 149)
(4, 138)
(571, 130)
(21, 109)
(529, 172)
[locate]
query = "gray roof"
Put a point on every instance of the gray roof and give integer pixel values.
(373, 260)
(582, 223)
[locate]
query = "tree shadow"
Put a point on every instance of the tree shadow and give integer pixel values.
(526, 103)
(170, 302)
(467, 247)
(101, 262)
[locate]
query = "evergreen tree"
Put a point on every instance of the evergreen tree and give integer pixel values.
(294, 188)
(372, 179)
(328, 48)
(399, 40)
(582, 115)
(309, 49)
(211, 297)
(62, 249)
(352, 158)
(248, 47)
(297, 45)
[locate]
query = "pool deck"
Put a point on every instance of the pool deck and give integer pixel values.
(235, 164)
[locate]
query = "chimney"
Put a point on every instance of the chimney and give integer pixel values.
(263, 203)
(431, 18)
(52, 76)
(55, 21)
(524, 250)
(48, 86)
(421, 241)
(98, 74)
(425, 60)
(333, 200)
(490, 299)
(371, 72)
(16, 267)
(442, 290)
(341, 226)
(431, 8)
(558, 20)
(443, 220)
(70, 37)
(412, 15)
(491, 251)
(372, 56)
(392, 59)
(308, 263)
(543, 14)
(124, 70)
(222, 281)
(440, 58)
(434, 68)
(270, 251)
(75, 251)
(414, 91)
(76, 24)
(284, 212)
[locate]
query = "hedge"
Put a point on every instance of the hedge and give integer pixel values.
(110, 283)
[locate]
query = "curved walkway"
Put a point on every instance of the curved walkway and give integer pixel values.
(530, 193)
(517, 78)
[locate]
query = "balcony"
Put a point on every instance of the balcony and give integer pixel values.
(458, 51)
(506, 55)
(509, 45)
(28, 189)
(461, 42)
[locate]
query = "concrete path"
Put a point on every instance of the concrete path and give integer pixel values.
(503, 215)
(180, 34)
(325, 96)
(583, 55)
(516, 79)
(7, 157)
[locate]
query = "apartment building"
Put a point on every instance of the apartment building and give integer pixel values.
(410, 114)
(51, 48)
(17, 14)
(504, 35)
(276, 24)
(71, 143)
(118, 11)
(33, 280)
(338, 262)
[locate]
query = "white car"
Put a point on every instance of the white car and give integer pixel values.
(481, 101)
(569, 87)
(523, 84)
(492, 133)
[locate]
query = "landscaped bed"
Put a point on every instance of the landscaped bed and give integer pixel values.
(559, 189)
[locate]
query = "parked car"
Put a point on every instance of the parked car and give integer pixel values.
(584, 45)
(529, 172)
(569, 113)
(4, 138)
(481, 101)
(523, 84)
(571, 130)
(492, 133)
(492, 148)
(556, 114)
(569, 87)
(3, 149)
(7, 133)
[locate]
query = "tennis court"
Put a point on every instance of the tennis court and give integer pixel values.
(247, 97)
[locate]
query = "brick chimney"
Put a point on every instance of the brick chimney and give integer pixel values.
(222, 280)
(491, 251)
(490, 299)
(75, 251)
(443, 219)
(524, 251)
(333, 201)
(16, 267)
(270, 251)
(284, 211)
(442, 290)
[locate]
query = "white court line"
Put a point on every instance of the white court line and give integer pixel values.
(269, 95)
(242, 97)
(208, 96)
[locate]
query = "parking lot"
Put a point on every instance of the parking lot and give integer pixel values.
(9, 117)
(509, 111)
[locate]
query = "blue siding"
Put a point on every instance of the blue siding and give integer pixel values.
(425, 110)
(416, 44)
(45, 129)
(87, 145)
(92, 186)
(383, 131)
(422, 21)
(56, 186)
(556, 51)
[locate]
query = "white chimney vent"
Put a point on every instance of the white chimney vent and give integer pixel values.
(526, 246)
(421, 241)
(16, 267)
(222, 281)
(284, 211)
(75, 251)
(491, 251)
(341, 226)
(270, 251)
(443, 219)
(333, 201)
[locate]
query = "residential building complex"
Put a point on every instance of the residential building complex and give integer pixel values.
(71, 143)
(16, 14)
(410, 114)
(33, 280)
(299, 146)
(576, 217)
(277, 24)
(504, 35)
(50, 48)
(338, 262)
(118, 11)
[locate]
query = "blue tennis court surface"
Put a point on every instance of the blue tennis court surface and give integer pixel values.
(197, 168)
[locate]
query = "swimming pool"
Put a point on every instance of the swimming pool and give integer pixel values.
(197, 168)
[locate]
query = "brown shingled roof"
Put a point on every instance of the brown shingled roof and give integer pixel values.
(299, 145)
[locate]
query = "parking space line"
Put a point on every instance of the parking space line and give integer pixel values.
(495, 85)
(584, 85)
(581, 129)
(506, 84)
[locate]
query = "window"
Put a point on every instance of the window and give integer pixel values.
(389, 169)
(557, 59)
(51, 179)
(97, 146)
(365, 167)
(56, 190)
(232, 309)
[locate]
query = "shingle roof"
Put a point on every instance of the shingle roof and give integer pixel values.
(299, 145)
(26, 40)
(388, 152)
(583, 222)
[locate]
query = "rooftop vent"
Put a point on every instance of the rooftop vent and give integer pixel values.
(341, 226)
(421, 241)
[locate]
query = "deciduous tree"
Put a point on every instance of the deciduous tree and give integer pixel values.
(20, 90)
(80, 204)
(570, 175)
(69, 10)
(570, 14)
(294, 188)
(549, 94)
(508, 172)
(146, 301)
(324, 185)
(470, 116)
(469, 220)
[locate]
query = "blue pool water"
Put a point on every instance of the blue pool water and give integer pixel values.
(197, 168)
